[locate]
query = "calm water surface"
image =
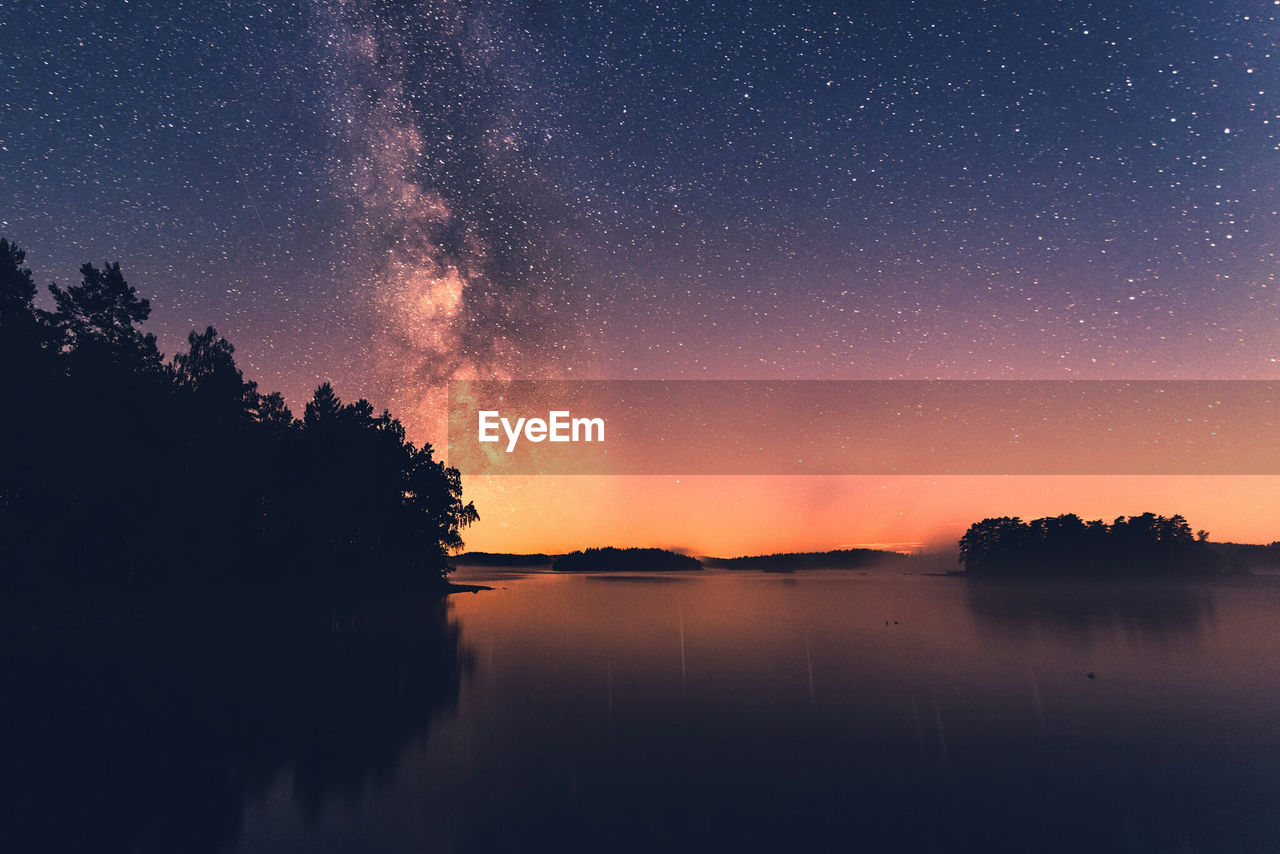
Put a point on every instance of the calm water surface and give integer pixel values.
(836, 711)
(746, 711)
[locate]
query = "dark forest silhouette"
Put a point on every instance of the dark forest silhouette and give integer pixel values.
(124, 473)
(791, 561)
(610, 559)
(503, 559)
(1067, 545)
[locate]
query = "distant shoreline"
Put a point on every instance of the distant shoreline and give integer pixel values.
(465, 588)
(1240, 557)
(673, 561)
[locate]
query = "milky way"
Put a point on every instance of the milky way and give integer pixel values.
(390, 194)
(453, 232)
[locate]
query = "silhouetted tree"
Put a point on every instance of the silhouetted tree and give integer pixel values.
(100, 314)
(28, 372)
(128, 474)
(23, 327)
(209, 369)
(271, 409)
(17, 288)
(324, 407)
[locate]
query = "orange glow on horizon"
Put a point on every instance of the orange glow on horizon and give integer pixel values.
(727, 516)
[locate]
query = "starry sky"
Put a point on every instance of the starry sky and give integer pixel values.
(390, 194)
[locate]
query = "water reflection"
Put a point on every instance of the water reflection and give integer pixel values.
(714, 711)
(1088, 609)
(152, 736)
(832, 711)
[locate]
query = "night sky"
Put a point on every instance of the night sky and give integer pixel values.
(390, 194)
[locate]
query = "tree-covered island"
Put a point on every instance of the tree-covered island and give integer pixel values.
(1145, 545)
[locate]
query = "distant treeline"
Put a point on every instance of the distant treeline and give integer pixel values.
(625, 560)
(1251, 558)
(785, 562)
(1067, 545)
(123, 472)
(502, 559)
(991, 545)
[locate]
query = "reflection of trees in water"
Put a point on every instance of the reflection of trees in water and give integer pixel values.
(1023, 607)
(150, 738)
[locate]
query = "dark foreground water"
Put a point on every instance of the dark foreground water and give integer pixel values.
(717, 711)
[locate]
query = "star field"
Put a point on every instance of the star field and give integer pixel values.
(394, 193)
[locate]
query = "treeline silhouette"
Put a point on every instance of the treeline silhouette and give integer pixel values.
(1250, 557)
(610, 559)
(502, 559)
(1068, 545)
(790, 561)
(122, 472)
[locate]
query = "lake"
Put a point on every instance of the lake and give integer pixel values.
(720, 710)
